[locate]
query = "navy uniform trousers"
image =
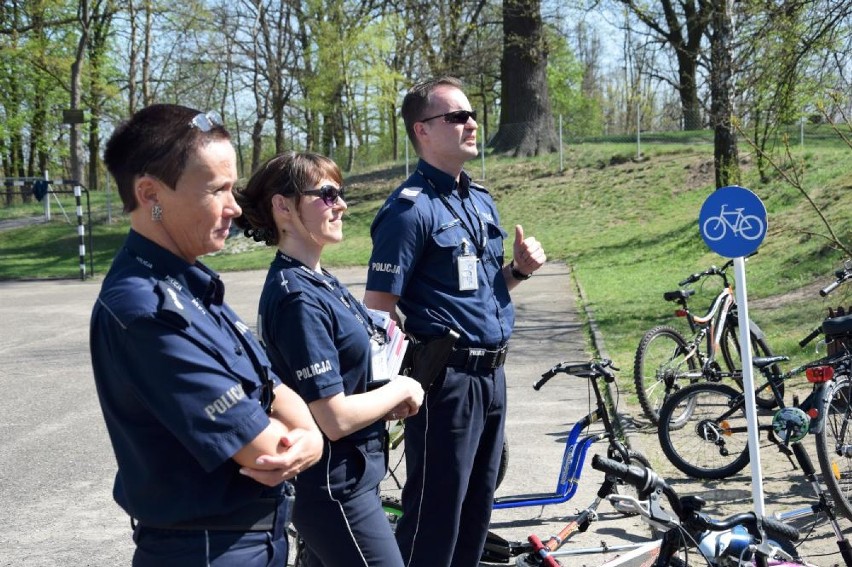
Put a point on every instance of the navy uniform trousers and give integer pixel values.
(348, 528)
(452, 454)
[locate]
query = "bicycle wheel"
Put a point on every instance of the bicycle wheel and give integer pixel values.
(730, 347)
(661, 367)
(709, 440)
(833, 445)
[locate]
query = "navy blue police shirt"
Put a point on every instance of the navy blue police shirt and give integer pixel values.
(418, 236)
(316, 334)
(179, 393)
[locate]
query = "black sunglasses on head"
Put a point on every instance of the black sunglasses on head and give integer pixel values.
(454, 117)
(328, 193)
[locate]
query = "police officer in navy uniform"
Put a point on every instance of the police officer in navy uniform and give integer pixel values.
(322, 341)
(438, 257)
(204, 433)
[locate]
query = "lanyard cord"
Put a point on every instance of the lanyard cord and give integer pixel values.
(469, 226)
(354, 306)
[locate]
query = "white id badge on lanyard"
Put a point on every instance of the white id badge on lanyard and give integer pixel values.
(468, 280)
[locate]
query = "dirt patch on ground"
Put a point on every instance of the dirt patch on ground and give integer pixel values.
(804, 293)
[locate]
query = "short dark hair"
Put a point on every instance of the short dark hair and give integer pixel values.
(288, 174)
(419, 98)
(156, 140)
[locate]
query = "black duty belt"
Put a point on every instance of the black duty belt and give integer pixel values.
(256, 516)
(478, 358)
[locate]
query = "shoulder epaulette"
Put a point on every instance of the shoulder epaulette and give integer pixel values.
(172, 308)
(410, 193)
(478, 187)
(289, 283)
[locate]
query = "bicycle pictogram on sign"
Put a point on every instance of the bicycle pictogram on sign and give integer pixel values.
(749, 227)
(733, 221)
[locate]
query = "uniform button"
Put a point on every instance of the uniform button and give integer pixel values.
(238, 350)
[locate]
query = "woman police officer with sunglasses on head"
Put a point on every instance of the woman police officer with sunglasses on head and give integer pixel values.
(319, 339)
(186, 391)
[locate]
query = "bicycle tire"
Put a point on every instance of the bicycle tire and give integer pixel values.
(699, 443)
(836, 434)
(658, 368)
(503, 467)
(730, 347)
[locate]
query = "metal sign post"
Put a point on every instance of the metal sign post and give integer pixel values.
(733, 224)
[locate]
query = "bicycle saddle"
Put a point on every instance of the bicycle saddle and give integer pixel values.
(678, 295)
(837, 326)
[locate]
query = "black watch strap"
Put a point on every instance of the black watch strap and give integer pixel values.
(516, 274)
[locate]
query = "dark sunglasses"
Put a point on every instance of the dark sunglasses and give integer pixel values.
(328, 194)
(454, 117)
(206, 121)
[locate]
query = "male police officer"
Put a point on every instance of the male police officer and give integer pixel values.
(438, 256)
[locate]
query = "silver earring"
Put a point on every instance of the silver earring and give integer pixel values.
(156, 212)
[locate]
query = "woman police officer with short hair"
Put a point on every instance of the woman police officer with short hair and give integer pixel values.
(204, 433)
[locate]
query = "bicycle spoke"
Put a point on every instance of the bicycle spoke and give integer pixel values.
(700, 434)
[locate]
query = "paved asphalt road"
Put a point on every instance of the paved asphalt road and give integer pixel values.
(56, 465)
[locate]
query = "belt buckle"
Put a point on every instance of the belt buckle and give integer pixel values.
(475, 355)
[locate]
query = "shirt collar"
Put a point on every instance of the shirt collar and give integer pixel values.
(444, 182)
(199, 280)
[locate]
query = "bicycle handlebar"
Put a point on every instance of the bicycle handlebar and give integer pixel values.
(646, 480)
(593, 369)
(842, 276)
(713, 271)
(814, 334)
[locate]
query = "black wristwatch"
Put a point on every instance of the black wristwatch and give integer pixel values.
(516, 274)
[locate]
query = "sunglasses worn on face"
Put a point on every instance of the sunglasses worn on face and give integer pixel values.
(328, 194)
(454, 117)
(206, 121)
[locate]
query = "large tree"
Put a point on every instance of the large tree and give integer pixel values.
(680, 25)
(526, 121)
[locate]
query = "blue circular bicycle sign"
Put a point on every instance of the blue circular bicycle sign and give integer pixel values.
(733, 221)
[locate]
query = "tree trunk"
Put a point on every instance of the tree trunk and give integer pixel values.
(688, 92)
(725, 156)
(526, 123)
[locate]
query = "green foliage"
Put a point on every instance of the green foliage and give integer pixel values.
(582, 116)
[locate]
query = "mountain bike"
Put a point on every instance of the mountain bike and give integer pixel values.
(703, 431)
(741, 539)
(734, 547)
(666, 361)
(834, 441)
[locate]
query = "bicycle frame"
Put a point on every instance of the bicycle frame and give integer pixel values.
(710, 327)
